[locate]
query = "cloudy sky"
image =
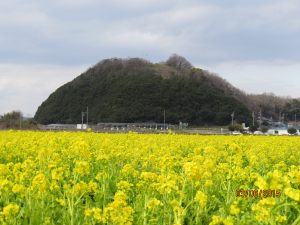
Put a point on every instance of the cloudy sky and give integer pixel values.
(253, 44)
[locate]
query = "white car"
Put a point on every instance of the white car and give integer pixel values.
(236, 132)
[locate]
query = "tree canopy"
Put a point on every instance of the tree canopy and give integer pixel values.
(14, 119)
(135, 90)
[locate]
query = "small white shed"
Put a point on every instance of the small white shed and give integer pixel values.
(79, 126)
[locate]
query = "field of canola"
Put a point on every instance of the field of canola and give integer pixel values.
(89, 178)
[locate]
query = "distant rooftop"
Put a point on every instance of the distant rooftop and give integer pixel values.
(131, 124)
(61, 125)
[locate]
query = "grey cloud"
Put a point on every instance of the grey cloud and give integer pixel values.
(223, 36)
(26, 87)
(72, 32)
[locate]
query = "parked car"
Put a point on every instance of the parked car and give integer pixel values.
(236, 132)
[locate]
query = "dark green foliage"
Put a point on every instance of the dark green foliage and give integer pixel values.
(291, 109)
(252, 128)
(238, 127)
(11, 120)
(264, 129)
(265, 123)
(134, 90)
(292, 130)
(230, 128)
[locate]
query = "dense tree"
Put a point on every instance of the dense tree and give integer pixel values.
(273, 106)
(265, 123)
(238, 127)
(230, 128)
(134, 90)
(178, 62)
(268, 103)
(264, 129)
(252, 128)
(292, 130)
(14, 119)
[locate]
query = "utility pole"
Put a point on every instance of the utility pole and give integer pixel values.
(260, 118)
(164, 119)
(253, 117)
(87, 118)
(280, 116)
(232, 115)
(82, 121)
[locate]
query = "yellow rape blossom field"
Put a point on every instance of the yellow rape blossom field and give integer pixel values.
(89, 178)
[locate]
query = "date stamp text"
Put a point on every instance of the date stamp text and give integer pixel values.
(257, 193)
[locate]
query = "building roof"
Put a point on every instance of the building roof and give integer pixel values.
(132, 124)
(61, 125)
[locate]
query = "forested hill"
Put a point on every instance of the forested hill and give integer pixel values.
(135, 90)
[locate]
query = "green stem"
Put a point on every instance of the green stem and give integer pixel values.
(145, 210)
(103, 190)
(272, 219)
(197, 215)
(187, 206)
(180, 203)
(192, 190)
(72, 212)
(70, 207)
(283, 205)
(43, 205)
(79, 198)
(229, 175)
(72, 201)
(296, 221)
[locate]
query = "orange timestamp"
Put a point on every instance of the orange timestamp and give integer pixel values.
(257, 193)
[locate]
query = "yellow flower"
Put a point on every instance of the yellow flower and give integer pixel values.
(201, 198)
(148, 176)
(19, 189)
(82, 168)
(280, 218)
(80, 188)
(294, 194)
(57, 173)
(216, 220)
(234, 209)
(124, 185)
(96, 213)
(129, 170)
(92, 187)
(118, 211)
(100, 176)
(193, 170)
(9, 210)
(60, 201)
(154, 204)
(40, 181)
(208, 183)
(229, 220)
